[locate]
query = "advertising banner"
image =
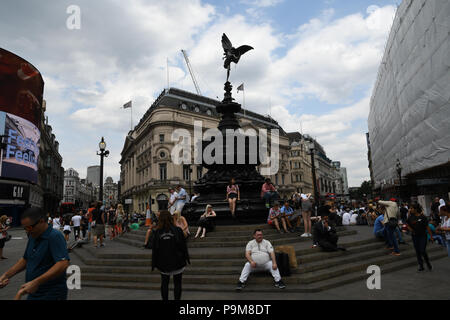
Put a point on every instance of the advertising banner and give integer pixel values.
(21, 94)
(19, 158)
(21, 87)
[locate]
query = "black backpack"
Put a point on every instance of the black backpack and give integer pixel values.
(283, 264)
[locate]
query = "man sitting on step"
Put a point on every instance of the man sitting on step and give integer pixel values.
(325, 236)
(261, 257)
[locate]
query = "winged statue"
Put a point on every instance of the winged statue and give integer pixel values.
(232, 54)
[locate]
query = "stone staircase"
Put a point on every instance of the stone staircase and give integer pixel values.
(217, 261)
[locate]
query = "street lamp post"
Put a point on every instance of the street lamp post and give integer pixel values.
(103, 153)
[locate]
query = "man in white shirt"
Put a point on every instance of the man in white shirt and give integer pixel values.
(346, 217)
(261, 257)
(172, 201)
(182, 198)
(354, 219)
(76, 221)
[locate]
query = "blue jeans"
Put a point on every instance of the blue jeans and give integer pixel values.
(270, 196)
(380, 234)
(399, 234)
(391, 238)
(448, 248)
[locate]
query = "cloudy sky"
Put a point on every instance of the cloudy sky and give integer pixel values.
(313, 67)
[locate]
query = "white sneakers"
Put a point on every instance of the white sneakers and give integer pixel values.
(306, 235)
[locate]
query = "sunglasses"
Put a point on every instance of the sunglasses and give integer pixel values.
(30, 227)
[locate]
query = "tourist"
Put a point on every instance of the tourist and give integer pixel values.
(306, 203)
(111, 221)
(378, 227)
(435, 209)
(290, 217)
(181, 223)
(154, 223)
(89, 215)
(170, 254)
(206, 222)
(233, 195)
(120, 214)
(182, 198)
(172, 201)
(354, 218)
(328, 209)
(275, 218)
(84, 225)
(45, 260)
(269, 193)
(260, 257)
(418, 225)
(325, 236)
(390, 222)
(404, 212)
(67, 229)
(437, 237)
(346, 217)
(371, 216)
(98, 225)
(3, 235)
(76, 221)
(56, 222)
(445, 224)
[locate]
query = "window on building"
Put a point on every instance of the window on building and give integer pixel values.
(161, 138)
(276, 179)
(162, 172)
(282, 179)
(187, 172)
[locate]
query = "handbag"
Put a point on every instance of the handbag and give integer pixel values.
(393, 223)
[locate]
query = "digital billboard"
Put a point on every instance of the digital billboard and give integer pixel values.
(21, 91)
(21, 87)
(19, 157)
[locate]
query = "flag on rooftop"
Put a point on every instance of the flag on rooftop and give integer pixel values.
(127, 105)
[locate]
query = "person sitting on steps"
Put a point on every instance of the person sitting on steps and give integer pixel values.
(325, 236)
(275, 218)
(260, 257)
(206, 222)
(289, 216)
(269, 193)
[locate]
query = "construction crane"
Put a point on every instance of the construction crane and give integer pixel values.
(191, 72)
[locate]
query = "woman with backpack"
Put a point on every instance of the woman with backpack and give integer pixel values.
(3, 235)
(170, 254)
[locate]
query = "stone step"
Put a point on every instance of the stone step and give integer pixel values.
(225, 236)
(205, 243)
(309, 256)
(234, 266)
(265, 284)
(305, 278)
(305, 255)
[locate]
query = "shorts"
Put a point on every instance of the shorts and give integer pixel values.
(306, 206)
(2, 243)
(232, 195)
(99, 230)
(272, 222)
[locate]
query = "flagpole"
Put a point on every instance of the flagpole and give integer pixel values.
(243, 94)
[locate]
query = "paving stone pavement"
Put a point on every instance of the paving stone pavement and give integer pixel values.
(404, 284)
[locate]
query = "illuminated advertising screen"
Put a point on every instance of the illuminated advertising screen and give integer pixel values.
(21, 91)
(19, 157)
(21, 87)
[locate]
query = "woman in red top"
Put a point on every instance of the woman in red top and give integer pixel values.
(233, 195)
